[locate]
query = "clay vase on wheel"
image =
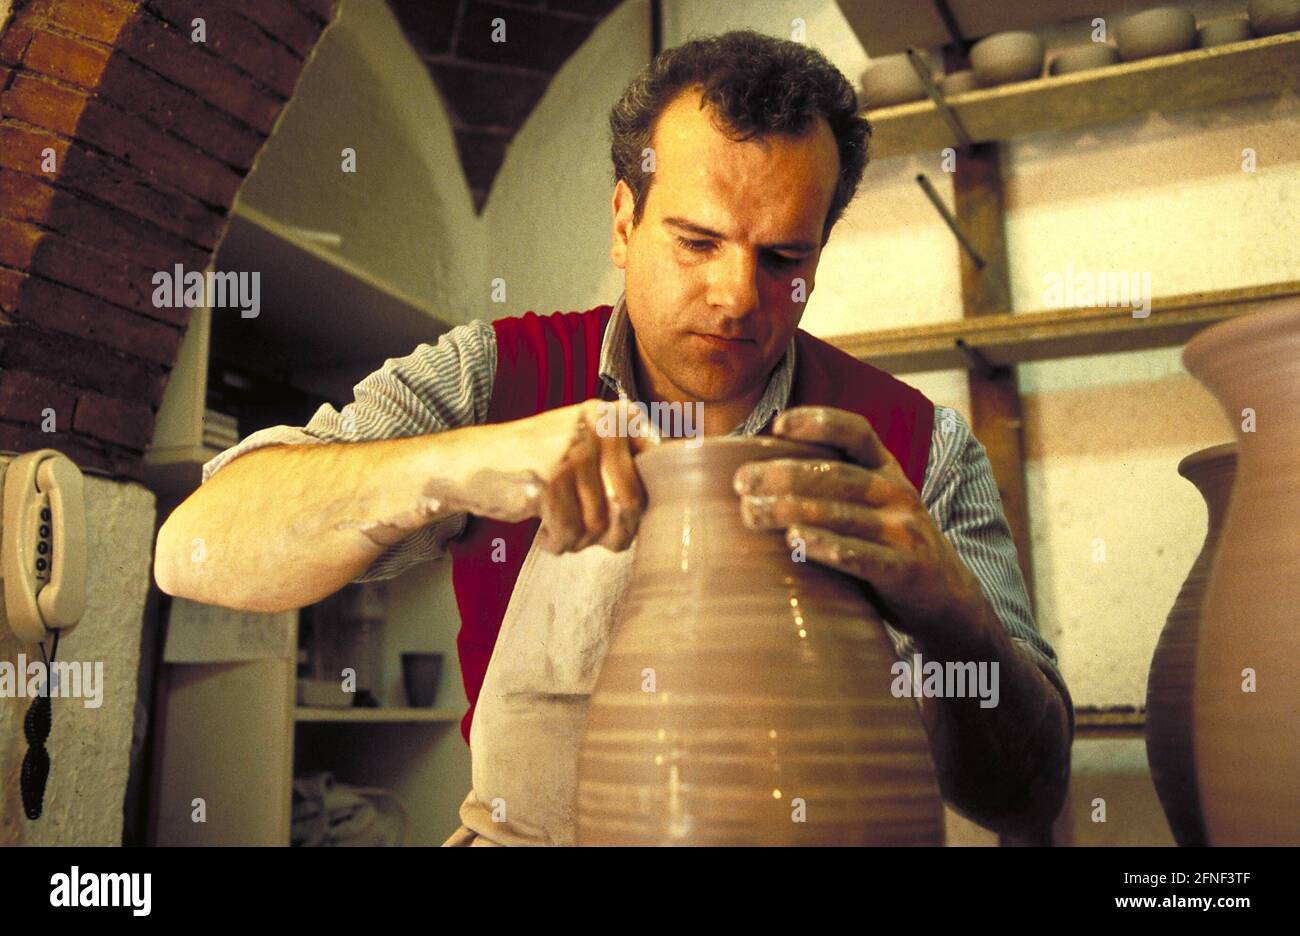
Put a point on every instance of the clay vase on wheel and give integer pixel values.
(1246, 709)
(745, 696)
(1173, 666)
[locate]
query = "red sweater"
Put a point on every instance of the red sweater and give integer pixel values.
(544, 362)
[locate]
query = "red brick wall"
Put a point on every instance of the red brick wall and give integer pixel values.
(152, 135)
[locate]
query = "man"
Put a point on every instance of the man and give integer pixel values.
(734, 157)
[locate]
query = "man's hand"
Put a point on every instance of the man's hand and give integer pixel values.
(1007, 766)
(588, 490)
(555, 465)
(862, 517)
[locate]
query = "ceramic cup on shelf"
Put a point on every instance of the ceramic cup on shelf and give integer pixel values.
(1008, 56)
(1273, 17)
(420, 674)
(891, 79)
(1224, 32)
(1084, 58)
(1158, 31)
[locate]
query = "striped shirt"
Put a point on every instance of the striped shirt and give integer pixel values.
(448, 385)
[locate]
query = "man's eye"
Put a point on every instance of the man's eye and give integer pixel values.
(698, 246)
(783, 260)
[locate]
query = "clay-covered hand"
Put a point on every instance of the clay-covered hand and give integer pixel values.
(566, 466)
(587, 487)
(863, 517)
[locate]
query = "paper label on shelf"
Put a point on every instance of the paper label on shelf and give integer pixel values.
(203, 633)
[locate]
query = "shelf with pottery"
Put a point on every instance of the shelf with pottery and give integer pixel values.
(243, 758)
(1170, 83)
(326, 320)
(307, 325)
(323, 318)
(1015, 338)
(886, 26)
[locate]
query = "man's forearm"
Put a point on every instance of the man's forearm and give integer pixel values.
(282, 527)
(285, 526)
(1006, 766)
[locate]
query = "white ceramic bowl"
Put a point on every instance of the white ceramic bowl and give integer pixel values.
(1223, 32)
(891, 79)
(1271, 17)
(1084, 58)
(1158, 31)
(1006, 57)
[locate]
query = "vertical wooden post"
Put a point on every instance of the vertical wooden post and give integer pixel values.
(995, 396)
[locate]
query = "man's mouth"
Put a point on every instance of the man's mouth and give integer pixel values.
(721, 343)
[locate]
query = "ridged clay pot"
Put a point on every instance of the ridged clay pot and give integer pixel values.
(771, 695)
(1247, 743)
(1173, 665)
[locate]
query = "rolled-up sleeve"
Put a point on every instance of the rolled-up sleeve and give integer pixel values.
(962, 496)
(447, 385)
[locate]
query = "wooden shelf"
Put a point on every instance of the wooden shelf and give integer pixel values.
(1115, 722)
(1198, 78)
(1037, 336)
(886, 26)
(324, 322)
(323, 325)
(375, 715)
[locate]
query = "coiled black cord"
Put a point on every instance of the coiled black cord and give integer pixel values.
(36, 726)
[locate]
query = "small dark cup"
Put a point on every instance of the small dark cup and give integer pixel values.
(421, 673)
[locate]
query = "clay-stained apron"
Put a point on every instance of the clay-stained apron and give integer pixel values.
(529, 717)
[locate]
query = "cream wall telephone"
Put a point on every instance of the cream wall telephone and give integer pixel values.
(43, 544)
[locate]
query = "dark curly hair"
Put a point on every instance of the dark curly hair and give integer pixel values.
(757, 85)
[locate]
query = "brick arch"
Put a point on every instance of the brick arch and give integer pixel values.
(123, 143)
(151, 135)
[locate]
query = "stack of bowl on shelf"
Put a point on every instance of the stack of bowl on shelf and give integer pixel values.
(1274, 17)
(1008, 57)
(891, 79)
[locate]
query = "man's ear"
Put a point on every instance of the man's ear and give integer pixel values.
(622, 205)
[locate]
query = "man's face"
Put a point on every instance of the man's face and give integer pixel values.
(711, 269)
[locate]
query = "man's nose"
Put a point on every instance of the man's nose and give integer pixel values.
(733, 287)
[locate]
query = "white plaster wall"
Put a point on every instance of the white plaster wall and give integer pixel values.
(89, 748)
(548, 219)
(1164, 196)
(406, 214)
